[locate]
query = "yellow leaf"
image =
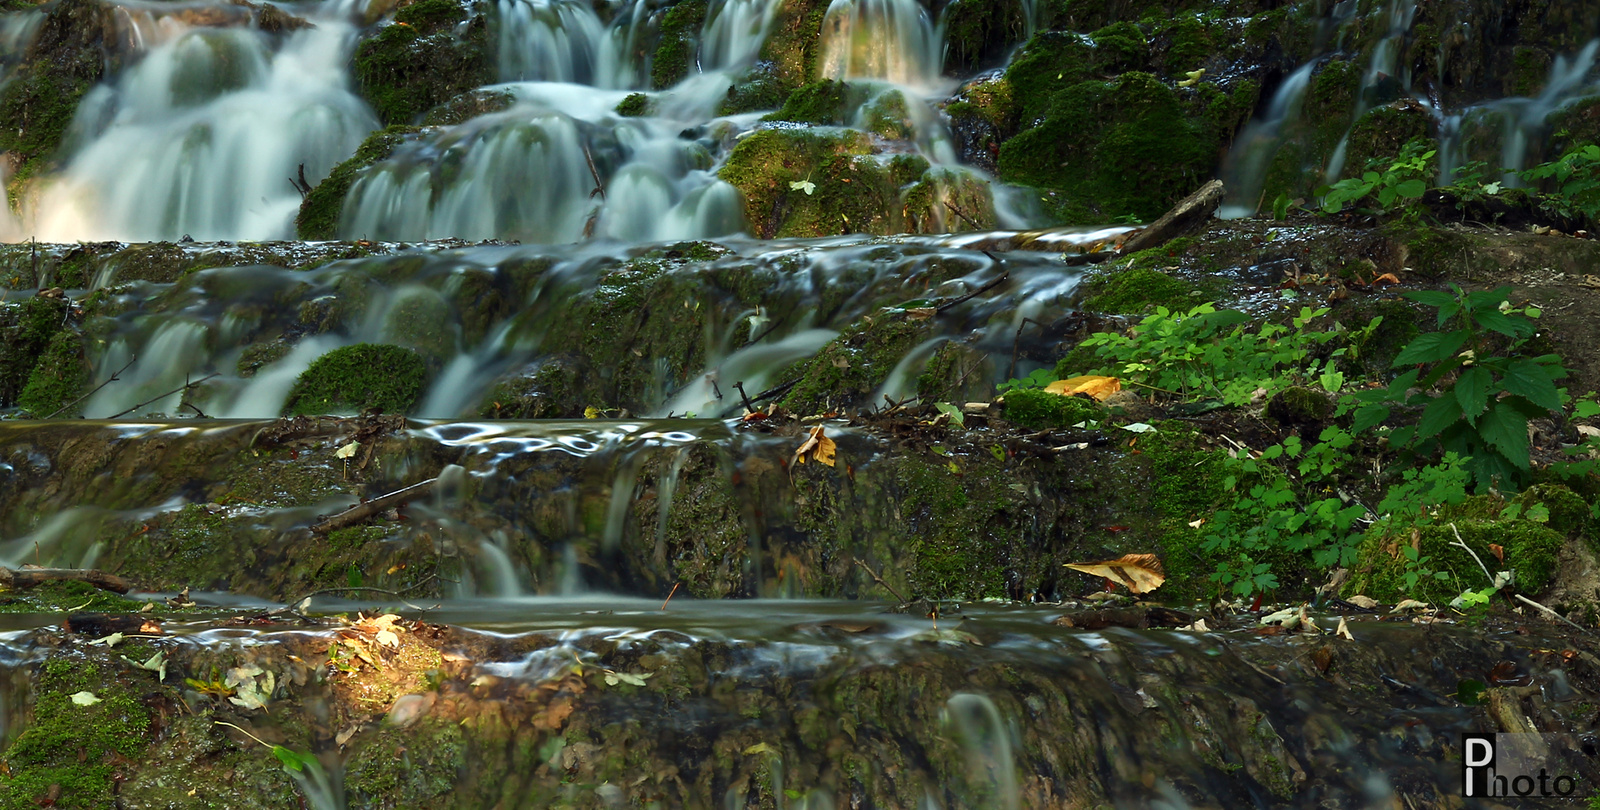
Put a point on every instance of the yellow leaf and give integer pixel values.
(760, 748)
(591, 412)
(1141, 573)
(1097, 387)
(818, 448)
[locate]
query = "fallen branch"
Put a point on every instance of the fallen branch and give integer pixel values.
(599, 187)
(180, 389)
(92, 391)
(975, 293)
(1525, 600)
(362, 511)
(1463, 544)
(951, 204)
(30, 577)
(300, 603)
(879, 580)
(1016, 343)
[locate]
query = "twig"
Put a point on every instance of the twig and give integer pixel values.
(776, 322)
(1017, 342)
(198, 412)
(777, 390)
(1463, 544)
(599, 187)
(1525, 600)
(29, 577)
(669, 595)
(975, 293)
(111, 379)
(362, 511)
(950, 204)
(186, 386)
(748, 405)
(879, 580)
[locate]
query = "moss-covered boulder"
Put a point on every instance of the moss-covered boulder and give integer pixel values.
(75, 47)
(423, 59)
(59, 377)
(1042, 410)
(827, 103)
(84, 721)
(1528, 547)
(980, 33)
(680, 39)
(846, 372)
(357, 378)
(1379, 135)
(467, 106)
(319, 211)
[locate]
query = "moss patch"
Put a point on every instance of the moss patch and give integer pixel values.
(319, 212)
(680, 31)
(357, 378)
(60, 376)
(421, 61)
(1042, 410)
(67, 754)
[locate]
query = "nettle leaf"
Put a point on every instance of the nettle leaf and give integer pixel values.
(1530, 380)
(1431, 298)
(1411, 188)
(1506, 429)
(1369, 416)
(1440, 414)
(1472, 392)
(1498, 322)
(1431, 348)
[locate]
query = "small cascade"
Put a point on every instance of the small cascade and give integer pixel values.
(1245, 170)
(734, 32)
(891, 40)
(1380, 74)
(565, 41)
(203, 135)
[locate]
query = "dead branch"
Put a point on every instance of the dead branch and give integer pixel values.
(111, 379)
(879, 580)
(18, 578)
(975, 293)
(158, 398)
(362, 511)
(599, 187)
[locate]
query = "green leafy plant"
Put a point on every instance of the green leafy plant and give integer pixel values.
(1574, 182)
(1482, 415)
(1404, 179)
(1210, 353)
(1037, 379)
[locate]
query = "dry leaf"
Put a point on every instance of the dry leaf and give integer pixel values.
(1199, 626)
(921, 313)
(818, 448)
(1197, 523)
(1409, 604)
(1344, 630)
(1498, 551)
(1141, 573)
(1363, 602)
(1097, 387)
(1323, 658)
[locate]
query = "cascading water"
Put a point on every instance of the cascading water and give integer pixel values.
(205, 133)
(1246, 167)
(892, 40)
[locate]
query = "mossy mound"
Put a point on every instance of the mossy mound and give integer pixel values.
(59, 377)
(550, 389)
(845, 372)
(468, 106)
(758, 88)
(67, 755)
(1131, 146)
(421, 60)
(1527, 547)
(319, 211)
(1138, 290)
(636, 104)
(26, 330)
(1042, 410)
(366, 376)
(1380, 134)
(828, 103)
(980, 33)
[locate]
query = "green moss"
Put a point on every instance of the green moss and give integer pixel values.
(1569, 512)
(60, 376)
(38, 102)
(979, 33)
(257, 355)
(635, 105)
(795, 42)
(64, 596)
(758, 88)
(827, 102)
(72, 751)
(319, 212)
(357, 378)
(846, 371)
(1184, 479)
(407, 767)
(421, 61)
(1379, 135)
(852, 192)
(1132, 146)
(1190, 44)
(680, 30)
(1042, 410)
(1120, 46)
(1138, 290)
(1529, 548)
(1529, 68)
(888, 117)
(26, 330)
(1297, 405)
(954, 546)
(467, 106)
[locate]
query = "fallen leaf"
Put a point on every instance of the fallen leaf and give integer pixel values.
(614, 678)
(1386, 278)
(760, 748)
(1288, 618)
(1323, 658)
(803, 185)
(85, 699)
(1094, 386)
(921, 313)
(1199, 626)
(1409, 604)
(1498, 551)
(348, 450)
(110, 641)
(1140, 573)
(1197, 523)
(1344, 630)
(818, 448)
(1363, 602)
(1307, 623)
(1138, 427)
(1506, 673)
(388, 639)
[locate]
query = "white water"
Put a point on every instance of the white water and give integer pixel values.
(1245, 170)
(893, 40)
(202, 135)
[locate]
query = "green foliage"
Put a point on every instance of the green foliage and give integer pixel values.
(1211, 353)
(1404, 179)
(423, 60)
(1483, 415)
(360, 377)
(1574, 181)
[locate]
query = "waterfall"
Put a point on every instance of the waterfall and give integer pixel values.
(894, 40)
(1245, 169)
(202, 135)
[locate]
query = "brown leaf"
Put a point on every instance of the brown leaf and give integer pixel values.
(1498, 551)
(921, 313)
(1322, 657)
(1094, 386)
(1506, 673)
(1140, 573)
(818, 448)
(1386, 278)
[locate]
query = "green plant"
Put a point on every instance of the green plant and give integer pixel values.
(1469, 186)
(1210, 353)
(1483, 414)
(1404, 179)
(1575, 183)
(1038, 379)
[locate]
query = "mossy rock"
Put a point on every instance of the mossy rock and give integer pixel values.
(26, 330)
(1042, 410)
(758, 88)
(468, 106)
(680, 32)
(634, 105)
(1138, 290)
(1529, 548)
(421, 61)
(66, 756)
(59, 377)
(795, 42)
(352, 379)
(320, 210)
(981, 33)
(827, 102)
(845, 372)
(846, 180)
(549, 389)
(1298, 405)
(1132, 146)
(1380, 134)
(1569, 515)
